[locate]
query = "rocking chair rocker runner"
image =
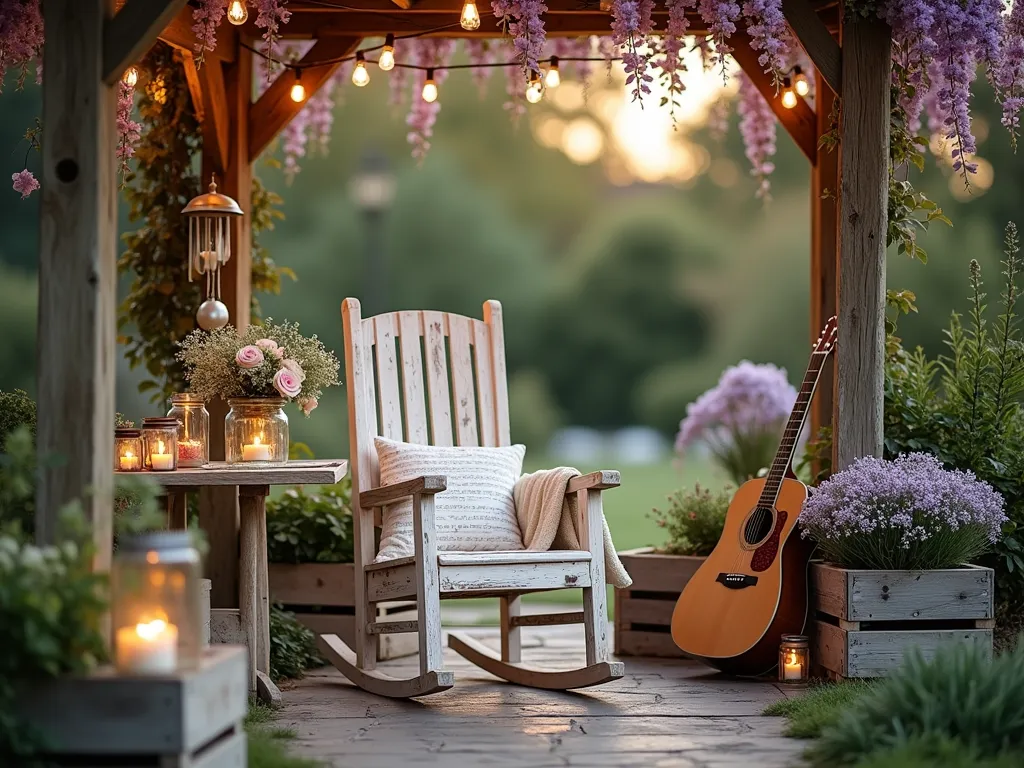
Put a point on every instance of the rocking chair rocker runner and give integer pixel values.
(411, 354)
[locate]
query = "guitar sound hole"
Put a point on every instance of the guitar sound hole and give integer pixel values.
(760, 523)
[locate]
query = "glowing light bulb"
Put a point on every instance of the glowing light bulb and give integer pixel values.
(470, 18)
(534, 91)
(553, 79)
(130, 76)
(360, 75)
(298, 92)
(430, 87)
(800, 82)
(387, 54)
(238, 13)
(789, 98)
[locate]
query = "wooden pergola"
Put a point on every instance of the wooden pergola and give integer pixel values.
(89, 43)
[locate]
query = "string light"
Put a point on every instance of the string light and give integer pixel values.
(360, 75)
(800, 82)
(789, 99)
(130, 76)
(553, 79)
(298, 92)
(238, 13)
(387, 54)
(534, 91)
(430, 87)
(470, 18)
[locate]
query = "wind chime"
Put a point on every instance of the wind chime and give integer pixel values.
(209, 248)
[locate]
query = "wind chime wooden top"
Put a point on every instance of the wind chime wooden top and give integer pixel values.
(209, 248)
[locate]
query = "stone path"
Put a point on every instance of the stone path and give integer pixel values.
(663, 714)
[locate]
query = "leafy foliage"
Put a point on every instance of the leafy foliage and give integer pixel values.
(16, 409)
(693, 520)
(937, 750)
(292, 646)
(311, 527)
(962, 695)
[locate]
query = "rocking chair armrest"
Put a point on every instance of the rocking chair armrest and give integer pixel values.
(598, 481)
(389, 494)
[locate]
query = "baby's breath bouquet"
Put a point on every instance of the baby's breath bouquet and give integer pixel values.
(266, 360)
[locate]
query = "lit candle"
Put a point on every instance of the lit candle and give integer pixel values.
(792, 669)
(161, 460)
(148, 648)
(129, 462)
(257, 451)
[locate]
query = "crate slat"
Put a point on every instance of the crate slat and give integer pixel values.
(327, 584)
(654, 644)
(643, 613)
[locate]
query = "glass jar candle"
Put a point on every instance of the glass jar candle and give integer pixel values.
(193, 429)
(160, 444)
(156, 604)
(256, 431)
(794, 660)
(127, 450)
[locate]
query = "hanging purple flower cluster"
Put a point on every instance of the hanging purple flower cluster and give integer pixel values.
(768, 34)
(673, 43)
(207, 16)
(721, 17)
(757, 126)
(271, 14)
(434, 52)
(631, 24)
(569, 48)
(1009, 70)
(481, 53)
(524, 21)
(128, 131)
(21, 37)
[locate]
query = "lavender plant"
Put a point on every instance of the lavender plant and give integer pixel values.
(740, 419)
(907, 514)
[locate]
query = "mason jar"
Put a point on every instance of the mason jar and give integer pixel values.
(193, 429)
(127, 450)
(160, 443)
(256, 431)
(155, 605)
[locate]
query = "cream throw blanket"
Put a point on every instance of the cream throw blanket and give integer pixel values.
(548, 519)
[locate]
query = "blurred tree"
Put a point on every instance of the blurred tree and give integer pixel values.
(533, 412)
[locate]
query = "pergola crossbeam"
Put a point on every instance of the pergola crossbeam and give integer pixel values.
(178, 34)
(130, 33)
(817, 40)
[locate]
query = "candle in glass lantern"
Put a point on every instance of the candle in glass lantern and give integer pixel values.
(147, 648)
(256, 451)
(794, 660)
(792, 669)
(129, 462)
(160, 459)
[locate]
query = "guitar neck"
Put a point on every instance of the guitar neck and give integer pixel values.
(791, 434)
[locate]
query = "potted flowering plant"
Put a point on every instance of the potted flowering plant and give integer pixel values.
(258, 372)
(740, 419)
(898, 538)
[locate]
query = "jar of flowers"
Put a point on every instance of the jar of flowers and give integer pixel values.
(258, 372)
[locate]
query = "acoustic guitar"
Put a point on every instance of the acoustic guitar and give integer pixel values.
(752, 589)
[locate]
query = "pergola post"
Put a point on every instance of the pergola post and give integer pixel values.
(864, 134)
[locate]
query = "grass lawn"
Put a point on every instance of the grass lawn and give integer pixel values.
(819, 708)
(268, 743)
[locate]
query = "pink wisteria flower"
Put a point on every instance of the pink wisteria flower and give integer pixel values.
(207, 16)
(287, 383)
(524, 22)
(249, 356)
(25, 183)
(128, 130)
(431, 52)
(308, 405)
(21, 37)
(294, 367)
(271, 14)
(757, 125)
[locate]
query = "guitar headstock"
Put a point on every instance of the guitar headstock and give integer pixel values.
(826, 342)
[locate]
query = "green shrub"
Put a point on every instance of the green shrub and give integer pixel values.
(693, 520)
(292, 646)
(819, 708)
(939, 752)
(962, 695)
(17, 409)
(311, 526)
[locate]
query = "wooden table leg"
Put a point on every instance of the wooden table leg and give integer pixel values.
(253, 589)
(177, 509)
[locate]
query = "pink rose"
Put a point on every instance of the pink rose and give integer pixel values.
(308, 404)
(249, 357)
(268, 345)
(287, 383)
(294, 367)
(279, 352)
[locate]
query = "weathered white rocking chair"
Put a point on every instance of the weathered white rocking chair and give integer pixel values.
(472, 411)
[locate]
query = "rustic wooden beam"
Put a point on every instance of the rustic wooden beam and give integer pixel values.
(799, 122)
(132, 31)
(824, 247)
(864, 192)
(275, 109)
(195, 87)
(216, 120)
(77, 273)
(178, 33)
(816, 39)
(405, 5)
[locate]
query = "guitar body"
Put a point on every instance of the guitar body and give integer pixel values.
(736, 607)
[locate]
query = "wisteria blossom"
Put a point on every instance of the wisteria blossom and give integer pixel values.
(128, 131)
(608, 51)
(571, 51)
(430, 52)
(21, 37)
(1009, 71)
(320, 117)
(271, 14)
(207, 16)
(631, 25)
(481, 54)
(524, 22)
(768, 34)
(758, 128)
(515, 90)
(910, 513)
(25, 183)
(721, 17)
(673, 43)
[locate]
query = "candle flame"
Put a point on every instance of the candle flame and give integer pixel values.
(151, 629)
(792, 658)
(160, 446)
(257, 440)
(129, 455)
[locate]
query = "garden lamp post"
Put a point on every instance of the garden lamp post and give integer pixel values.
(373, 190)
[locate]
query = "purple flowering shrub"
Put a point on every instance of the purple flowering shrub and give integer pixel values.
(907, 514)
(740, 419)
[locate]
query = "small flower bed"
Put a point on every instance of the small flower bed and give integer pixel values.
(907, 514)
(265, 361)
(693, 521)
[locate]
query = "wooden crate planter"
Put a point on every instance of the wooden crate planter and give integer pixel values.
(322, 596)
(643, 613)
(864, 621)
(188, 720)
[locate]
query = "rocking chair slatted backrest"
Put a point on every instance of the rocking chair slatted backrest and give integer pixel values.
(425, 377)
